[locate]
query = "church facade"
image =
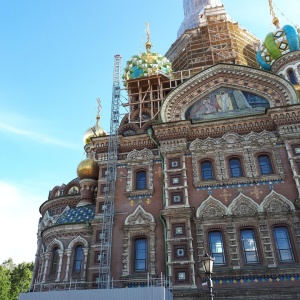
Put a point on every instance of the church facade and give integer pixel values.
(208, 162)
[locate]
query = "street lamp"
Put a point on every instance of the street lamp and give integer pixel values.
(208, 264)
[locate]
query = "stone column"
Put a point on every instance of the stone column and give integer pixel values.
(233, 246)
(169, 248)
(68, 253)
(85, 253)
(191, 254)
(266, 242)
(293, 166)
(47, 256)
(41, 268)
(60, 254)
(186, 195)
(152, 251)
(165, 183)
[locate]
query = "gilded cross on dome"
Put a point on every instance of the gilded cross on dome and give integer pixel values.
(99, 106)
(272, 12)
(148, 43)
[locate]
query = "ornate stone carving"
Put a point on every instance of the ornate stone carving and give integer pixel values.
(245, 146)
(139, 223)
(211, 208)
(139, 217)
(139, 159)
(276, 203)
(243, 206)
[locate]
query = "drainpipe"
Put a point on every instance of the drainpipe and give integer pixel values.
(150, 133)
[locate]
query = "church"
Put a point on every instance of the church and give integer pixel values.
(208, 162)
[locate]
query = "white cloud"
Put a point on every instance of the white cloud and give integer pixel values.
(19, 216)
(7, 126)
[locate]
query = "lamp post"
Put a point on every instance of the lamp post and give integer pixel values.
(208, 263)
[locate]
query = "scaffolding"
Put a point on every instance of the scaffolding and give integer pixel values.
(217, 39)
(108, 207)
(144, 98)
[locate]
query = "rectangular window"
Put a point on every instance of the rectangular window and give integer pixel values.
(296, 149)
(216, 247)
(104, 172)
(181, 276)
(174, 163)
(207, 170)
(97, 257)
(235, 167)
(180, 252)
(175, 179)
(140, 259)
(178, 229)
(177, 198)
(283, 244)
(249, 246)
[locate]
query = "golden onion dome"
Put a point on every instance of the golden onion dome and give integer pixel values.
(88, 169)
(94, 131)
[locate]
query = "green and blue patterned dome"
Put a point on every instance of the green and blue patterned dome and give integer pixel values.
(277, 44)
(146, 64)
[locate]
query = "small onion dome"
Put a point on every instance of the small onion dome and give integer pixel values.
(94, 131)
(88, 169)
(146, 64)
(278, 43)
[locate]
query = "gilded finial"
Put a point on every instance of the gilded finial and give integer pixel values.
(272, 12)
(148, 43)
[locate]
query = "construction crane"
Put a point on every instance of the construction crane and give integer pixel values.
(111, 175)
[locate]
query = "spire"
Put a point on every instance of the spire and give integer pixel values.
(272, 12)
(148, 44)
(191, 9)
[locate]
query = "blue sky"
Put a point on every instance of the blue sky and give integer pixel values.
(56, 58)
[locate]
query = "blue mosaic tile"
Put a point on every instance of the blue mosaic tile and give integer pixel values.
(80, 214)
(240, 185)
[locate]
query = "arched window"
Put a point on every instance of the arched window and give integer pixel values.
(141, 180)
(54, 260)
(249, 246)
(235, 167)
(216, 247)
(292, 76)
(78, 259)
(283, 244)
(265, 164)
(140, 255)
(207, 170)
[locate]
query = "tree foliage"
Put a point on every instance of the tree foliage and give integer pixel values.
(14, 279)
